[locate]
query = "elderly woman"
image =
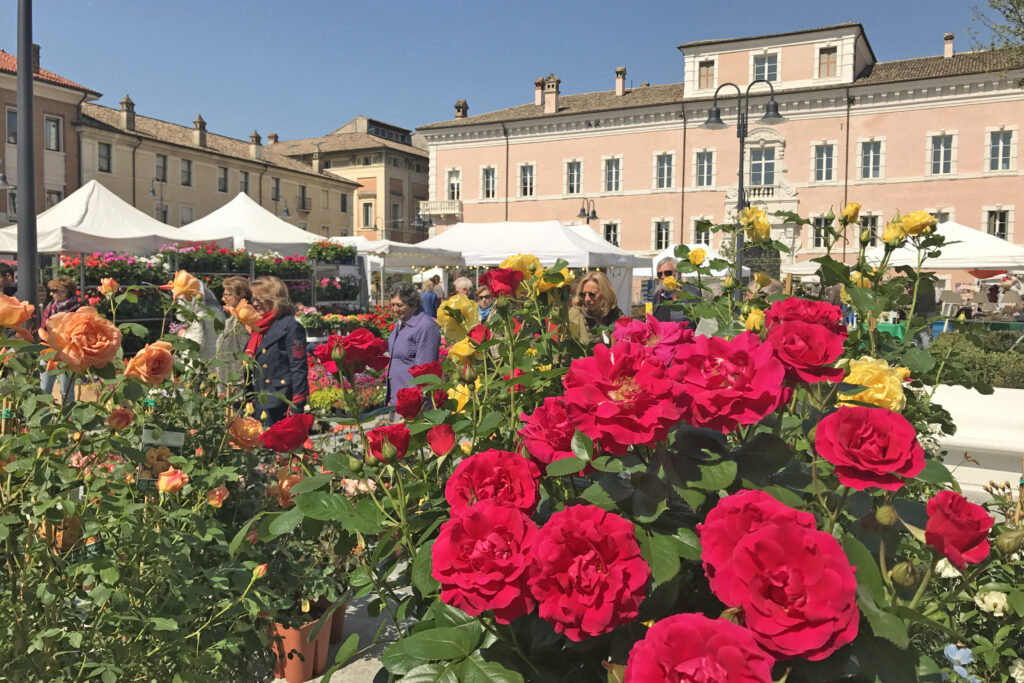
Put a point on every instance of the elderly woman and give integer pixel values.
(485, 302)
(416, 338)
(62, 300)
(595, 306)
(234, 338)
(278, 344)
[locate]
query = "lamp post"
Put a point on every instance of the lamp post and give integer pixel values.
(771, 117)
(28, 241)
(420, 224)
(587, 211)
(153, 195)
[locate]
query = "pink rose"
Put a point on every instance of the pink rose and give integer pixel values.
(661, 338)
(547, 433)
(501, 476)
(870, 447)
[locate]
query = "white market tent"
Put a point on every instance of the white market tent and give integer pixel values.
(650, 269)
(92, 218)
(488, 244)
(389, 256)
(247, 225)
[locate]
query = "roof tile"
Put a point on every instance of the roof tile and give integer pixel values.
(9, 64)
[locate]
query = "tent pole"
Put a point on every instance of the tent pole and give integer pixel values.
(252, 267)
(81, 274)
(312, 283)
(383, 264)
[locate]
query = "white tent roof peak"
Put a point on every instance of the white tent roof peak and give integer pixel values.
(251, 227)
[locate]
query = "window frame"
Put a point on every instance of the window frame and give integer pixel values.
(862, 144)
(181, 214)
(712, 71)
(186, 172)
(160, 170)
(988, 214)
(834, 51)
(664, 180)
(658, 224)
(818, 238)
(696, 235)
(59, 121)
(698, 174)
(222, 179)
(453, 183)
(607, 177)
(775, 56)
(877, 224)
(367, 206)
(524, 189)
(573, 172)
(343, 203)
(100, 166)
(1010, 146)
(616, 226)
(243, 182)
(488, 191)
(275, 189)
(829, 173)
(764, 167)
(11, 132)
(941, 153)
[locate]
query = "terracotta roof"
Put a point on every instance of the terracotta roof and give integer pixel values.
(966, 63)
(9, 64)
(695, 43)
(105, 117)
(341, 142)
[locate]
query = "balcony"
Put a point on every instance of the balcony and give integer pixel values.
(303, 204)
(441, 207)
(759, 192)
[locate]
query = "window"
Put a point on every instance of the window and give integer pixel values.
(705, 164)
(367, 214)
(766, 67)
(187, 215)
(999, 150)
(344, 202)
(942, 154)
(396, 215)
(53, 138)
(325, 199)
(243, 182)
(662, 234)
(573, 177)
(823, 155)
(103, 160)
(454, 185)
(275, 189)
(612, 175)
(222, 179)
(160, 212)
(870, 223)
(819, 236)
(940, 216)
(304, 202)
(12, 127)
(526, 180)
(706, 75)
(871, 159)
(702, 232)
(186, 173)
(998, 223)
(12, 203)
(828, 62)
(762, 166)
(53, 197)
(489, 183)
(664, 171)
(611, 232)
(160, 171)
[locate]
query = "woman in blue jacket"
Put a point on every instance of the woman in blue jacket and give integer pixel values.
(278, 346)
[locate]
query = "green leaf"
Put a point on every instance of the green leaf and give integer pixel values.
(75, 639)
(310, 484)
(431, 673)
(864, 299)
(918, 618)
(883, 624)
(240, 536)
(660, 553)
(918, 361)
(688, 544)
(1016, 600)
(935, 472)
(489, 424)
(347, 649)
(716, 476)
(868, 572)
(582, 446)
(478, 670)
(284, 522)
(422, 579)
(564, 466)
(324, 505)
(444, 643)
(161, 624)
(598, 496)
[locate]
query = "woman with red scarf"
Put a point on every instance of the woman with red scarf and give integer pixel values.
(278, 345)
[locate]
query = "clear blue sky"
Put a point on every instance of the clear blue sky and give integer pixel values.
(303, 68)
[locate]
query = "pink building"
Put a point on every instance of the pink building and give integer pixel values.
(936, 133)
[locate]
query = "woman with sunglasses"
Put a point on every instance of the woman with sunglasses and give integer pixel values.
(484, 301)
(278, 345)
(62, 300)
(595, 306)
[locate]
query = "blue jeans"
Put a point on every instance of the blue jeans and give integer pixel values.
(67, 385)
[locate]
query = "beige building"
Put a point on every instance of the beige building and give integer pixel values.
(182, 173)
(387, 162)
(55, 108)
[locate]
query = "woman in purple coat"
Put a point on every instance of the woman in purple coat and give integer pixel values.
(416, 338)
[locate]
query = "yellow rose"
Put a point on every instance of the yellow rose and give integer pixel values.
(919, 222)
(184, 285)
(884, 384)
(755, 220)
(245, 314)
(462, 350)
(762, 279)
(460, 393)
(527, 264)
(754, 320)
(452, 329)
(670, 283)
(108, 286)
(851, 212)
(697, 256)
(545, 286)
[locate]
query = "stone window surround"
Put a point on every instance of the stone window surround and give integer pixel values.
(714, 168)
(447, 182)
(617, 222)
(565, 177)
(182, 208)
(818, 47)
(60, 132)
(987, 148)
(879, 230)
(671, 153)
(1008, 208)
(953, 153)
(519, 178)
(835, 162)
(110, 157)
(766, 52)
(881, 157)
(604, 174)
(494, 168)
(654, 231)
(696, 73)
(810, 246)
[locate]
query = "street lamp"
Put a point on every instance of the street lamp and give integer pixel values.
(771, 117)
(152, 194)
(587, 211)
(421, 224)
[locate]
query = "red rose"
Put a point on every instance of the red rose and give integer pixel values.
(621, 396)
(957, 528)
(796, 589)
(501, 281)
(661, 338)
(396, 437)
(588, 576)
(288, 434)
(736, 516)
(482, 557)
(807, 350)
(441, 439)
(725, 383)
(358, 349)
(409, 402)
(814, 312)
(515, 373)
(691, 647)
(431, 368)
(480, 334)
(548, 432)
(438, 397)
(501, 476)
(869, 447)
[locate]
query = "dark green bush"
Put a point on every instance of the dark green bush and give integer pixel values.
(968, 357)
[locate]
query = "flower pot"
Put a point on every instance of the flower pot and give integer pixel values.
(297, 659)
(337, 620)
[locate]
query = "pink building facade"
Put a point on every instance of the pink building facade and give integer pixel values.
(937, 133)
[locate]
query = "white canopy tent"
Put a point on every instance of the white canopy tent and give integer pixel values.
(389, 256)
(650, 269)
(92, 218)
(247, 225)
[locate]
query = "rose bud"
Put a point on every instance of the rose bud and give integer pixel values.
(1010, 541)
(120, 418)
(886, 515)
(259, 571)
(252, 536)
(865, 237)
(171, 480)
(904, 574)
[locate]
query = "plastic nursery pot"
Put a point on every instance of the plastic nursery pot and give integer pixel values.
(296, 659)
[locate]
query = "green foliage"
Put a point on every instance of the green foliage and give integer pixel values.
(966, 356)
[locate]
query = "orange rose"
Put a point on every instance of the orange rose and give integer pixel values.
(286, 479)
(152, 364)
(108, 286)
(245, 313)
(14, 314)
(184, 285)
(217, 496)
(171, 480)
(245, 432)
(82, 339)
(120, 418)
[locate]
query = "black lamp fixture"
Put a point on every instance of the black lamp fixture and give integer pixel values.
(587, 211)
(153, 194)
(420, 224)
(286, 213)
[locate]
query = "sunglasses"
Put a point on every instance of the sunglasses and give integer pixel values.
(485, 296)
(665, 273)
(589, 295)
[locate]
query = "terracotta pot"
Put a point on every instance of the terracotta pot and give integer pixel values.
(299, 660)
(337, 620)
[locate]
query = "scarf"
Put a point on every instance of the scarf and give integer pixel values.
(261, 327)
(72, 303)
(485, 313)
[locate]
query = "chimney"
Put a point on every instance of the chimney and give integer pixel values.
(272, 138)
(199, 134)
(551, 84)
(317, 166)
(620, 81)
(461, 109)
(127, 113)
(255, 146)
(538, 92)
(35, 58)
(947, 47)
